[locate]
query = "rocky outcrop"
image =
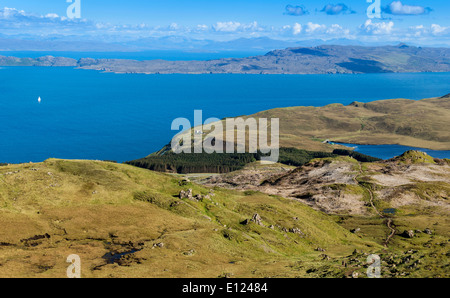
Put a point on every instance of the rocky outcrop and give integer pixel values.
(255, 219)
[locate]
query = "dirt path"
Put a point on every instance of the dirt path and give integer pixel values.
(389, 222)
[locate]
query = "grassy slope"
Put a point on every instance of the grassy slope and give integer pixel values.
(406, 122)
(91, 208)
(417, 123)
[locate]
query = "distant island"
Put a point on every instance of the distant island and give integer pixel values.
(327, 59)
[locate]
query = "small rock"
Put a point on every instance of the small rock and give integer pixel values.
(158, 245)
(186, 194)
(296, 231)
(354, 231)
(256, 219)
(408, 234)
(428, 231)
(183, 182)
(189, 252)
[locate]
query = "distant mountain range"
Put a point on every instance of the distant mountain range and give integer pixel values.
(180, 43)
(325, 59)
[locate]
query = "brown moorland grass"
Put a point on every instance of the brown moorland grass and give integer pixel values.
(417, 123)
(56, 208)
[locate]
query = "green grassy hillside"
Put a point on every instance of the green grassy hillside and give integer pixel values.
(125, 221)
(100, 210)
(423, 123)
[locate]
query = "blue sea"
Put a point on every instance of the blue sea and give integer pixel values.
(86, 114)
(389, 151)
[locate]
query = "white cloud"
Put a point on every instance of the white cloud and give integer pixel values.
(18, 22)
(381, 28)
(341, 8)
(296, 10)
(202, 27)
(321, 31)
(336, 29)
(398, 8)
(439, 30)
(433, 30)
(51, 16)
(297, 29)
(314, 28)
(8, 13)
(174, 27)
(231, 27)
(226, 26)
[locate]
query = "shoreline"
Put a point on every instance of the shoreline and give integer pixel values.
(325, 59)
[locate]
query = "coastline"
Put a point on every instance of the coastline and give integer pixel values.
(315, 60)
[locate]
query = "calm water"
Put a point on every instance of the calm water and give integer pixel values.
(390, 151)
(92, 115)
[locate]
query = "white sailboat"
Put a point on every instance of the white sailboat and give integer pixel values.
(39, 99)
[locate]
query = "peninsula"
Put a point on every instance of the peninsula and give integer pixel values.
(327, 59)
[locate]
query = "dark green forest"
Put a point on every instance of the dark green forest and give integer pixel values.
(185, 163)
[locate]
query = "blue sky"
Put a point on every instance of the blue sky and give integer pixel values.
(423, 21)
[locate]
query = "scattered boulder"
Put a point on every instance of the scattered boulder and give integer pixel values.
(408, 234)
(158, 245)
(354, 231)
(406, 259)
(296, 231)
(186, 194)
(11, 173)
(198, 197)
(256, 219)
(174, 204)
(189, 252)
(183, 182)
(428, 231)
